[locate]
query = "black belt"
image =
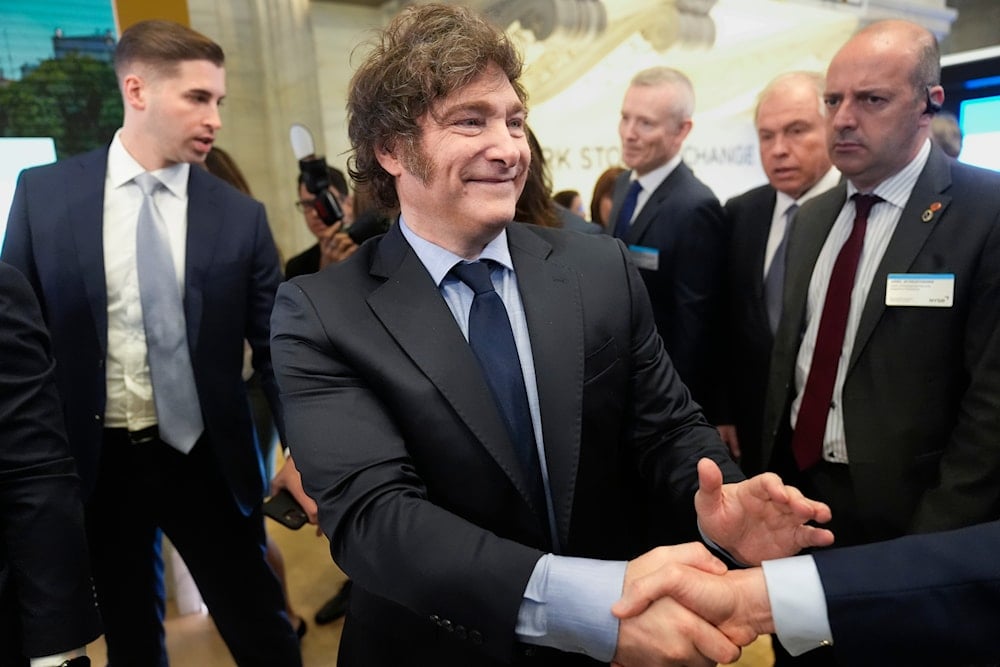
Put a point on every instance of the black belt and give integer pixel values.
(143, 436)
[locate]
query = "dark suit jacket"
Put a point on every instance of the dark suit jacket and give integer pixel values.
(923, 384)
(46, 598)
(230, 278)
(746, 339)
(918, 600)
(684, 222)
(398, 438)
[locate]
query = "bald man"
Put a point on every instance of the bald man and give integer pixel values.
(791, 130)
(893, 422)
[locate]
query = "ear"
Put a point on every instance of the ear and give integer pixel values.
(936, 95)
(134, 91)
(684, 129)
(389, 160)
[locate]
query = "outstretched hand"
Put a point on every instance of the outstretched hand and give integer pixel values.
(758, 519)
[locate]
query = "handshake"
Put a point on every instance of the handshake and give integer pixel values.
(682, 605)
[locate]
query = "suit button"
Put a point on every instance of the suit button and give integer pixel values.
(476, 637)
(446, 624)
(97, 418)
(460, 631)
(435, 619)
(529, 652)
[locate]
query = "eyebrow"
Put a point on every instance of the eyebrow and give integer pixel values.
(483, 108)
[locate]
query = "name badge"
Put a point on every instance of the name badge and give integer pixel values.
(929, 290)
(645, 257)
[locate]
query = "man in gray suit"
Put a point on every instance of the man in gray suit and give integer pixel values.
(792, 135)
(894, 422)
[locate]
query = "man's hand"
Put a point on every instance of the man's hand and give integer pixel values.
(758, 519)
(729, 436)
(289, 478)
(662, 631)
(735, 602)
(335, 245)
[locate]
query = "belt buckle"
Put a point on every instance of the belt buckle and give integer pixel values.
(143, 435)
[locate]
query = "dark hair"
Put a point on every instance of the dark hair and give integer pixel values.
(535, 203)
(337, 180)
(425, 53)
(565, 198)
(163, 45)
(605, 185)
(221, 164)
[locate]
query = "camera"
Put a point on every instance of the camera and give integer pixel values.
(316, 178)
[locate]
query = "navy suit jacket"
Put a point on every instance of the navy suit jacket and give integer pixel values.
(923, 384)
(398, 438)
(747, 339)
(55, 237)
(918, 600)
(46, 598)
(684, 223)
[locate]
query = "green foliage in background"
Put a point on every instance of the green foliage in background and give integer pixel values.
(74, 100)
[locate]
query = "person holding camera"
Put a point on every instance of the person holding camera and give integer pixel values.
(333, 244)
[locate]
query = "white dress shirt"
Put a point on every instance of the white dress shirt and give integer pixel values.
(652, 180)
(129, 388)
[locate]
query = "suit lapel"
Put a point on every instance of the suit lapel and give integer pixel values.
(760, 217)
(654, 205)
(204, 221)
(910, 235)
(85, 212)
(551, 297)
(412, 310)
(621, 188)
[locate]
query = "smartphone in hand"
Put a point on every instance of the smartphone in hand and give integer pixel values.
(283, 508)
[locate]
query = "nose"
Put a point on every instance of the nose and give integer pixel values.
(779, 146)
(214, 120)
(843, 116)
(506, 146)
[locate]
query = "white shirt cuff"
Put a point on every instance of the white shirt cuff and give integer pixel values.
(58, 658)
(567, 605)
(798, 604)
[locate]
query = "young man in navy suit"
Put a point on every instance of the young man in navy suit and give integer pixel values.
(489, 510)
(149, 361)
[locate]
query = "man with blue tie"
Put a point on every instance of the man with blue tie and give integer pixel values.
(791, 133)
(483, 409)
(151, 274)
(673, 226)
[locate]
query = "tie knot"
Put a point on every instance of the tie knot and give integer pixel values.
(790, 211)
(634, 188)
(147, 183)
(863, 204)
(474, 274)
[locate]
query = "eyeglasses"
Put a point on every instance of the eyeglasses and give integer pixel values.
(305, 205)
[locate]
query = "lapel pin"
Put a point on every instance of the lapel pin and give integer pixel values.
(931, 210)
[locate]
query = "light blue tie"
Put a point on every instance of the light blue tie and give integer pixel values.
(178, 411)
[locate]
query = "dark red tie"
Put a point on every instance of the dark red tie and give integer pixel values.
(807, 441)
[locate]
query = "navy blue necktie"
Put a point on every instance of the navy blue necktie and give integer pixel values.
(774, 283)
(492, 341)
(628, 209)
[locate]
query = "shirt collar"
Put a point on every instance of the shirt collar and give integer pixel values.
(438, 261)
(122, 168)
(652, 180)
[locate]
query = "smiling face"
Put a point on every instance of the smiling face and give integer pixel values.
(172, 114)
(792, 135)
(875, 114)
(458, 185)
(650, 129)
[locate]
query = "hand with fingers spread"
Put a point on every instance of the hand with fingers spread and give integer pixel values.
(663, 631)
(759, 518)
